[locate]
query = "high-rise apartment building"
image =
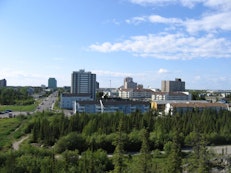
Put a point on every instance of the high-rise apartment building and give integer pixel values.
(3, 83)
(173, 86)
(52, 83)
(129, 84)
(83, 83)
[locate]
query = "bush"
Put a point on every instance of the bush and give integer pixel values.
(73, 141)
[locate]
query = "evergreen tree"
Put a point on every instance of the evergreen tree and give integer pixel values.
(118, 156)
(87, 162)
(10, 165)
(144, 165)
(71, 160)
(203, 166)
(200, 155)
(175, 156)
(93, 162)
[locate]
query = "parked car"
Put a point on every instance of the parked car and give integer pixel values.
(7, 111)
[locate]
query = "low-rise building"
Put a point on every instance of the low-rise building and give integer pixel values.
(125, 93)
(159, 105)
(137, 94)
(67, 100)
(111, 106)
(110, 92)
(171, 96)
(190, 106)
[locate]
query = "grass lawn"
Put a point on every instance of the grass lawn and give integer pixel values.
(7, 128)
(26, 108)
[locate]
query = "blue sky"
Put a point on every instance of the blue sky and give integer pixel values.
(148, 40)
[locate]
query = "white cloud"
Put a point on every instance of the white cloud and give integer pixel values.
(113, 21)
(215, 4)
(160, 19)
(162, 71)
(143, 2)
(208, 23)
(170, 46)
(197, 40)
(186, 3)
(221, 5)
(137, 20)
(111, 73)
(189, 3)
(154, 19)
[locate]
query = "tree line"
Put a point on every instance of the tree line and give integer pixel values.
(119, 143)
(99, 130)
(15, 96)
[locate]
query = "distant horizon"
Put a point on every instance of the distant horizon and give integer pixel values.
(207, 89)
(148, 40)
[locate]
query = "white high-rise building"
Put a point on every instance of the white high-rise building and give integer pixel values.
(83, 83)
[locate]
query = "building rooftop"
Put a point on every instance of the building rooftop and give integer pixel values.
(75, 95)
(113, 102)
(198, 105)
(179, 101)
(171, 93)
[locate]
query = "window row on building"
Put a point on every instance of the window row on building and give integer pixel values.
(100, 106)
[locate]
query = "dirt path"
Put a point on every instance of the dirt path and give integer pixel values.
(16, 144)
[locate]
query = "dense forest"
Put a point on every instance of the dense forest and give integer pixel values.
(118, 143)
(100, 130)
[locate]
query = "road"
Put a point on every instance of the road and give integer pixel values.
(47, 104)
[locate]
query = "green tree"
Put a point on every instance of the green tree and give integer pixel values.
(118, 156)
(203, 161)
(199, 159)
(10, 164)
(175, 156)
(46, 165)
(28, 163)
(71, 160)
(93, 162)
(144, 164)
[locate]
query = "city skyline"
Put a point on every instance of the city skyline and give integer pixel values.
(148, 40)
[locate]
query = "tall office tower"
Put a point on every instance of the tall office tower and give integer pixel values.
(52, 83)
(3, 83)
(129, 84)
(83, 83)
(172, 86)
